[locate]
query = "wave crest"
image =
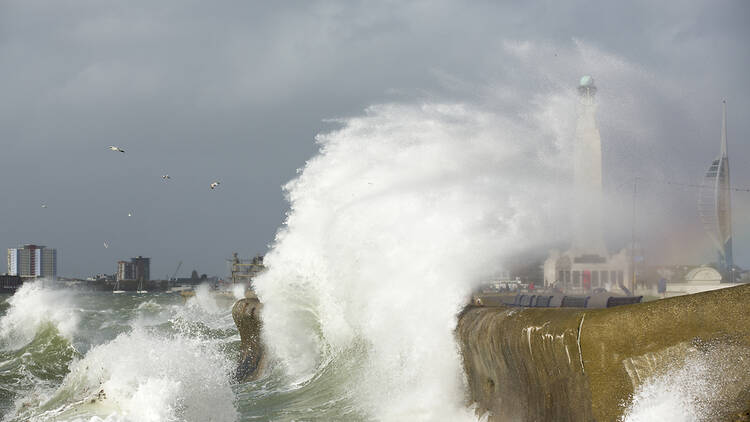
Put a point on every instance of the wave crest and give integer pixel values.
(143, 376)
(31, 307)
(392, 225)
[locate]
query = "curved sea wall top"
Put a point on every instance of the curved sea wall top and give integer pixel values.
(536, 364)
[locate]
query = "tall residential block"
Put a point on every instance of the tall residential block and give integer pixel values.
(32, 261)
(138, 268)
(125, 271)
(142, 267)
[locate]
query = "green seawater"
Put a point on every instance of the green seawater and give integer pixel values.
(69, 355)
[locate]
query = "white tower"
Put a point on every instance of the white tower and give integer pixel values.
(587, 266)
(587, 208)
(715, 204)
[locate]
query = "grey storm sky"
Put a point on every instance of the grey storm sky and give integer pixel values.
(237, 90)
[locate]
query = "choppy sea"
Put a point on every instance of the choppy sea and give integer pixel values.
(91, 356)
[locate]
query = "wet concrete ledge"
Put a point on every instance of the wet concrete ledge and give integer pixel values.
(539, 364)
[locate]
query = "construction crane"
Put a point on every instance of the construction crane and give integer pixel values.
(174, 275)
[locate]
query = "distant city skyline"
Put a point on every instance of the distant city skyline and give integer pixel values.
(39, 260)
(236, 92)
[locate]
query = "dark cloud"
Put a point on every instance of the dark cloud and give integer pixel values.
(237, 90)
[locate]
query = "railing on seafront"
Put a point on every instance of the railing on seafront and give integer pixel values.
(569, 301)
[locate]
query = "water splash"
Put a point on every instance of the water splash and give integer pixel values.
(680, 396)
(32, 306)
(142, 376)
(206, 309)
(391, 226)
(238, 290)
(703, 386)
(204, 300)
(169, 364)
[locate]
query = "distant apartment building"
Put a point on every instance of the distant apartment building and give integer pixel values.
(142, 267)
(33, 261)
(138, 269)
(125, 271)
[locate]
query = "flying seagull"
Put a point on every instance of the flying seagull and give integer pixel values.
(117, 149)
(130, 214)
(165, 176)
(44, 205)
(214, 185)
(106, 245)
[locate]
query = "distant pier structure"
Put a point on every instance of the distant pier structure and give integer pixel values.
(715, 205)
(244, 270)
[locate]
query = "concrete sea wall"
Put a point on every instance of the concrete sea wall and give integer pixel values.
(584, 365)
(543, 364)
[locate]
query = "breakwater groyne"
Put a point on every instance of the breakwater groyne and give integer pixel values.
(531, 364)
(246, 315)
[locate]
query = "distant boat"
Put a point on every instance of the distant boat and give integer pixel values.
(117, 288)
(140, 288)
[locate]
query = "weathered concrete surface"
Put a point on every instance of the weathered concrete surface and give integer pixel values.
(584, 365)
(246, 314)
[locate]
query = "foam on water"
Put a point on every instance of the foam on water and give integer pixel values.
(142, 376)
(391, 227)
(153, 372)
(32, 306)
(170, 363)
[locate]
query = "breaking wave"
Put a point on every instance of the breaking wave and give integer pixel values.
(94, 356)
(392, 225)
(33, 307)
(142, 376)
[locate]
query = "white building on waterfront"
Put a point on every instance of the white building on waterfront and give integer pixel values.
(699, 279)
(33, 261)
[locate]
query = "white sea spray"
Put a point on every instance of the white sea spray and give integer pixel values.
(392, 225)
(700, 387)
(142, 376)
(169, 364)
(33, 305)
